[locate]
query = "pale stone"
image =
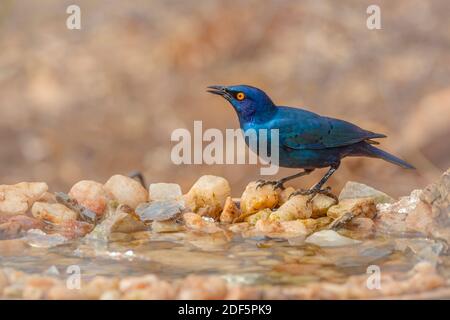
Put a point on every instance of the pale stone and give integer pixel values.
(126, 190)
(92, 195)
(160, 210)
(17, 199)
(320, 205)
(208, 195)
(53, 212)
(123, 220)
(164, 191)
(330, 238)
(362, 206)
(354, 190)
(230, 211)
(166, 226)
(297, 207)
(255, 199)
(260, 215)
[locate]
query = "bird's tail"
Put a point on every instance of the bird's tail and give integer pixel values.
(378, 153)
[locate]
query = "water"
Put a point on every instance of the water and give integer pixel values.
(245, 261)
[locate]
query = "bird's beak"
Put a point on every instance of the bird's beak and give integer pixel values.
(221, 91)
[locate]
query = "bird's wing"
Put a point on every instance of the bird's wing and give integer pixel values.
(311, 131)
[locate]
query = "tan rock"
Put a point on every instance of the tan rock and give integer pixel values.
(126, 190)
(123, 220)
(18, 198)
(208, 195)
(196, 222)
(230, 211)
(167, 226)
(320, 205)
(52, 212)
(260, 215)
(255, 199)
(361, 206)
(285, 194)
(95, 288)
(421, 219)
(296, 207)
(92, 195)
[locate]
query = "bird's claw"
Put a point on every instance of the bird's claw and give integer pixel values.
(276, 184)
(313, 192)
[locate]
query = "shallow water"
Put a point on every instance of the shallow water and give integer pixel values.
(244, 261)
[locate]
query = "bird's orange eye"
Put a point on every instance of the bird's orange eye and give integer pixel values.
(240, 96)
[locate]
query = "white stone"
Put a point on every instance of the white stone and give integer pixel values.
(330, 238)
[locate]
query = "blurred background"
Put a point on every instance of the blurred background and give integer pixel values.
(89, 103)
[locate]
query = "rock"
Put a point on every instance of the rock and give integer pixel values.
(167, 226)
(39, 239)
(53, 212)
(355, 190)
(421, 219)
(18, 224)
(92, 195)
(159, 210)
(83, 212)
(123, 220)
(296, 207)
(17, 199)
(281, 229)
(196, 222)
(313, 225)
(208, 195)
(391, 217)
(164, 191)
(320, 205)
(437, 195)
(330, 238)
(424, 249)
(285, 194)
(362, 206)
(255, 199)
(362, 224)
(230, 211)
(126, 190)
(260, 215)
(73, 229)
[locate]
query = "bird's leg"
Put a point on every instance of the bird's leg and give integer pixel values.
(137, 175)
(317, 188)
(280, 183)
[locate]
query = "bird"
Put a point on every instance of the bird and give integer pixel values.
(307, 140)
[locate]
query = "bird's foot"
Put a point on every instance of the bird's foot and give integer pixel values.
(313, 192)
(276, 184)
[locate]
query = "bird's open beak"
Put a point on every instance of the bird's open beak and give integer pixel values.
(221, 91)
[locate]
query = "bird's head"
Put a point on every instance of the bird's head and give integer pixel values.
(246, 100)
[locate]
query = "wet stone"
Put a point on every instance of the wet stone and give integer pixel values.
(39, 239)
(159, 210)
(330, 238)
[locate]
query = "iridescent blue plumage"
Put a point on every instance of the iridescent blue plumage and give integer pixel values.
(306, 139)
